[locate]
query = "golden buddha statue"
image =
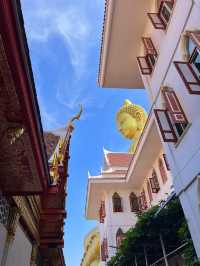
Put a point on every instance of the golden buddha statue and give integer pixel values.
(131, 119)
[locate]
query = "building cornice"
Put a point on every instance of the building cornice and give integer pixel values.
(105, 38)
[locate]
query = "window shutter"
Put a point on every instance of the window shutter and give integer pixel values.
(189, 77)
(162, 171)
(140, 203)
(105, 248)
(101, 220)
(144, 66)
(103, 258)
(174, 107)
(117, 204)
(103, 209)
(165, 125)
(119, 237)
(166, 162)
(149, 191)
(154, 183)
(156, 21)
(102, 213)
(195, 36)
(149, 46)
(134, 203)
(143, 200)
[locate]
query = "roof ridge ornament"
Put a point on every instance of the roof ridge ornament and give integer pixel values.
(60, 153)
(77, 117)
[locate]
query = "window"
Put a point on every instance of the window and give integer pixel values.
(165, 12)
(155, 187)
(190, 71)
(149, 191)
(102, 212)
(117, 204)
(142, 201)
(119, 237)
(134, 202)
(147, 62)
(104, 250)
(166, 162)
(177, 115)
(172, 121)
(161, 19)
(195, 61)
(162, 171)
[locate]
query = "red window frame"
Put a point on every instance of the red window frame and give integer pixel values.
(195, 36)
(173, 106)
(104, 250)
(117, 206)
(166, 162)
(149, 191)
(163, 173)
(144, 70)
(155, 186)
(142, 201)
(159, 23)
(134, 205)
(187, 83)
(102, 212)
(149, 46)
(163, 131)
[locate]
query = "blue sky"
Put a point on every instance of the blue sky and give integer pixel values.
(64, 40)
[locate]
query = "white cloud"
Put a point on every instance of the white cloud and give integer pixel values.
(43, 20)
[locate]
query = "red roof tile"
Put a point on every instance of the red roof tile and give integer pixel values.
(119, 159)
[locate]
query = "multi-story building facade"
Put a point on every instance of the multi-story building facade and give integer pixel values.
(128, 184)
(156, 45)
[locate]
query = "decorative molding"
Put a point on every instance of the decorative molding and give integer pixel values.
(25, 210)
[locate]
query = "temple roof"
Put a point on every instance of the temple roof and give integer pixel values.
(116, 159)
(51, 141)
(119, 159)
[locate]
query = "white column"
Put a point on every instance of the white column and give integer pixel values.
(34, 254)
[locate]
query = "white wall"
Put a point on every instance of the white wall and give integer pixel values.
(127, 219)
(165, 189)
(20, 251)
(184, 158)
(3, 233)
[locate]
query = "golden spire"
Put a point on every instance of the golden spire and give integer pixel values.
(59, 155)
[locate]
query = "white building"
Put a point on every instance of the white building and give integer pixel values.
(157, 44)
(127, 184)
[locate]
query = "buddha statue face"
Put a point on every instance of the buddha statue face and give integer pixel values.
(127, 125)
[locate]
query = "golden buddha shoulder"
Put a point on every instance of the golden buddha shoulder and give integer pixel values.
(131, 119)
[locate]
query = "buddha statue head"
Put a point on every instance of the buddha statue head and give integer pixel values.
(131, 119)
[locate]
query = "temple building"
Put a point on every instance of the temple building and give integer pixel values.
(157, 43)
(129, 183)
(32, 188)
(91, 256)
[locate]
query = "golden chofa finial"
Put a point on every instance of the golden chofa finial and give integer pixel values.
(131, 119)
(59, 154)
(77, 117)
